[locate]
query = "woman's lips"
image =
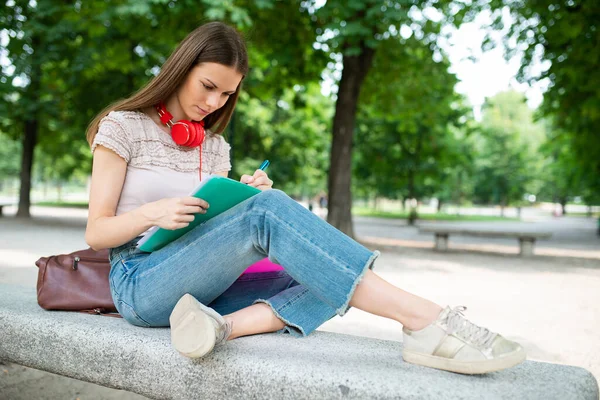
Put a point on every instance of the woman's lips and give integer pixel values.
(201, 111)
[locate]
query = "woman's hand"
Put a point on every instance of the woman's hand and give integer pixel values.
(174, 213)
(259, 180)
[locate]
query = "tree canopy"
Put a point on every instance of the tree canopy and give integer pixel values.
(562, 36)
(392, 125)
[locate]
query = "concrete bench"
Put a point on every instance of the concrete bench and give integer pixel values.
(526, 239)
(113, 353)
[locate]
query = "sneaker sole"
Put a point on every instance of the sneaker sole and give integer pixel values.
(192, 331)
(464, 367)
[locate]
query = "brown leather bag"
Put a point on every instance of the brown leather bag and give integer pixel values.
(75, 282)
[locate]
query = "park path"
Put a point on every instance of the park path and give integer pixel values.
(549, 303)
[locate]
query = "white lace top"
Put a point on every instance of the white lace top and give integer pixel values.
(156, 166)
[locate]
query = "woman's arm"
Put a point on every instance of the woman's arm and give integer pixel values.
(104, 229)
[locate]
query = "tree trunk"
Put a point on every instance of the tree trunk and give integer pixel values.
(59, 192)
(412, 172)
(340, 170)
(412, 214)
(29, 141)
(563, 206)
(31, 131)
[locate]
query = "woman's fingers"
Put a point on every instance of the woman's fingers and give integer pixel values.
(185, 218)
(194, 201)
(247, 179)
(192, 210)
(263, 182)
(259, 180)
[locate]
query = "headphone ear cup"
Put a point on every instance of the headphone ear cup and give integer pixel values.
(200, 134)
(181, 132)
(192, 129)
(188, 133)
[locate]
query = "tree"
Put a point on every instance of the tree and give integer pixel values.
(69, 60)
(54, 66)
(564, 177)
(351, 31)
(24, 102)
(564, 36)
(507, 150)
(9, 159)
(289, 132)
(409, 106)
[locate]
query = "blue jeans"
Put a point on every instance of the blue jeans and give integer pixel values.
(322, 267)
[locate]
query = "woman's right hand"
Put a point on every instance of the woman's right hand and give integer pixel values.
(174, 213)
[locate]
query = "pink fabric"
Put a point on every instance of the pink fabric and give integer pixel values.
(263, 266)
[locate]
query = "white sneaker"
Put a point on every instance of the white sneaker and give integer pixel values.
(453, 343)
(195, 328)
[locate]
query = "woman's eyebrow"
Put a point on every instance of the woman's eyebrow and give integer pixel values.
(216, 87)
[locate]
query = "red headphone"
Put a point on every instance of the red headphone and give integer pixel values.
(183, 132)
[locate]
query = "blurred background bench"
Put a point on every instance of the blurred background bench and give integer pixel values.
(526, 239)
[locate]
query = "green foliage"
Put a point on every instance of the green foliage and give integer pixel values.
(507, 151)
(408, 141)
(565, 35)
(291, 131)
(564, 177)
(413, 135)
(281, 54)
(90, 54)
(10, 162)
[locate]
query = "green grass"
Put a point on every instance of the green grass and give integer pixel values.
(62, 204)
(582, 214)
(364, 212)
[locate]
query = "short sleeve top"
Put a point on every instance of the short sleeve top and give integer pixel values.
(156, 166)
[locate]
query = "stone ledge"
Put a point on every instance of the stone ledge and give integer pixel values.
(113, 353)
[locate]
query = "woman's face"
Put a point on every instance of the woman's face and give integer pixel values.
(206, 89)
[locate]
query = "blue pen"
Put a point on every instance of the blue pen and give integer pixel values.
(264, 165)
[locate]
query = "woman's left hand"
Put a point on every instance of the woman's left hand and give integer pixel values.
(259, 180)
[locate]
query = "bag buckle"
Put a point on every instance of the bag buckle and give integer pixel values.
(75, 262)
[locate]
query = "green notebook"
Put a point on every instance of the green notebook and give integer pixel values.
(221, 194)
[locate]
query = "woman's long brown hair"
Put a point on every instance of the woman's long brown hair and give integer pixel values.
(213, 42)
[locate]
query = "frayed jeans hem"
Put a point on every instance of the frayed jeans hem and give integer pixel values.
(370, 264)
(293, 329)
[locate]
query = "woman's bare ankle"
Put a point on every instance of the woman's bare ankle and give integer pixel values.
(423, 318)
(254, 319)
(229, 322)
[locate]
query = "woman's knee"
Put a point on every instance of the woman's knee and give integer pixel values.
(269, 199)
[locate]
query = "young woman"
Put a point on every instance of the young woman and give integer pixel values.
(143, 169)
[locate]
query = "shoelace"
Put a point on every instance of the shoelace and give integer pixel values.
(457, 323)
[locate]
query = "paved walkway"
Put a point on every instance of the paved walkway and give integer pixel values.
(549, 304)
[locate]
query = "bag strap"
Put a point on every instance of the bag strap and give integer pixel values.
(101, 311)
